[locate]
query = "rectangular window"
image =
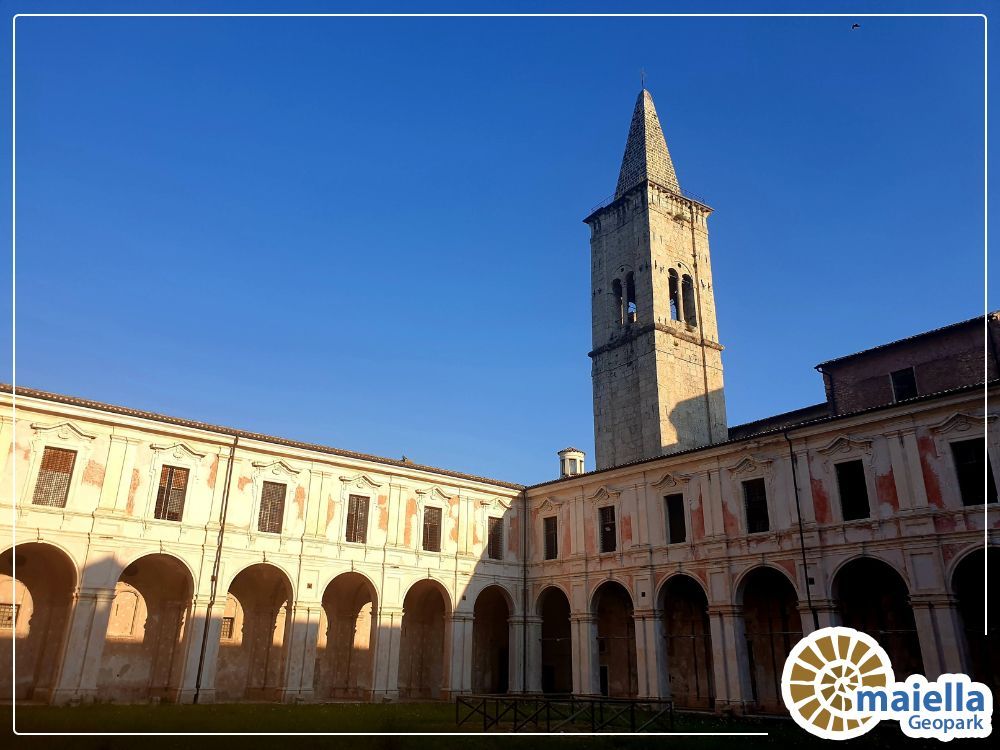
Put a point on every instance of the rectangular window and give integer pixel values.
(52, 487)
(272, 507)
(975, 474)
(8, 616)
(676, 529)
(853, 490)
(432, 529)
(609, 539)
(495, 533)
(551, 527)
(904, 384)
(357, 519)
(170, 495)
(228, 624)
(755, 502)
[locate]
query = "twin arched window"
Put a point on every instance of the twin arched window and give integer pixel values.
(623, 295)
(682, 301)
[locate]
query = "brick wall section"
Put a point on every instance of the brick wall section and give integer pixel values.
(947, 358)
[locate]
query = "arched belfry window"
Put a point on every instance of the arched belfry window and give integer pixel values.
(631, 312)
(675, 295)
(687, 293)
(616, 295)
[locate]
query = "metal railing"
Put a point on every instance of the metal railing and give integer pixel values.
(550, 713)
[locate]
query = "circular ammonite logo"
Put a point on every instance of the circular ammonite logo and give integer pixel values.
(821, 674)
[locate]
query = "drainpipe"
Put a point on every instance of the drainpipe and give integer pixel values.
(215, 568)
(802, 542)
(524, 592)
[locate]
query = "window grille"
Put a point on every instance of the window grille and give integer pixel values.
(432, 529)
(272, 508)
(170, 495)
(357, 519)
(52, 487)
(495, 544)
(8, 616)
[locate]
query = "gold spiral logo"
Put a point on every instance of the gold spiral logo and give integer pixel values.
(821, 674)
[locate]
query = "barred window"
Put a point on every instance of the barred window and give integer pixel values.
(853, 490)
(755, 503)
(228, 624)
(357, 519)
(8, 616)
(551, 538)
(52, 487)
(170, 495)
(494, 548)
(676, 526)
(432, 529)
(272, 507)
(609, 537)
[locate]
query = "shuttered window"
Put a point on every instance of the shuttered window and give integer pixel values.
(676, 525)
(272, 507)
(432, 529)
(495, 533)
(755, 503)
(357, 519)
(551, 538)
(52, 486)
(609, 538)
(170, 495)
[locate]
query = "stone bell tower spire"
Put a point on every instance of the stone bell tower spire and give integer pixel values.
(657, 365)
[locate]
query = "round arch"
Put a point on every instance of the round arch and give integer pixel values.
(772, 626)
(288, 577)
(423, 657)
(133, 559)
(40, 598)
(832, 578)
(143, 656)
(740, 582)
(345, 643)
(254, 633)
(609, 582)
(967, 583)
(491, 653)
(440, 586)
(662, 586)
(545, 591)
(553, 607)
(873, 597)
(682, 602)
(361, 574)
(618, 674)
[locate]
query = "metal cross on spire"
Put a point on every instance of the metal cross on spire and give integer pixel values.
(642, 77)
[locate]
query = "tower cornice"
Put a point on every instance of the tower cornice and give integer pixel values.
(610, 204)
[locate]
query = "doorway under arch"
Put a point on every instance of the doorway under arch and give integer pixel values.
(688, 635)
(557, 646)
(616, 656)
(491, 642)
(772, 626)
(968, 584)
(345, 648)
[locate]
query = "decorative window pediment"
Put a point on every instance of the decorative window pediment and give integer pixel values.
(276, 468)
(434, 493)
(361, 481)
(671, 479)
(749, 465)
(62, 431)
(495, 502)
(178, 452)
(603, 494)
(961, 422)
(845, 444)
(550, 503)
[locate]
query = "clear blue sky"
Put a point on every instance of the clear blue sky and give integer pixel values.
(367, 232)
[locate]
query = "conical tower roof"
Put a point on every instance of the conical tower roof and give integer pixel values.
(646, 155)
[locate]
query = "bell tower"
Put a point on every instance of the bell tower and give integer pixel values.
(657, 364)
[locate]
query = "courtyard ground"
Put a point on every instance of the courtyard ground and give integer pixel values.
(372, 719)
